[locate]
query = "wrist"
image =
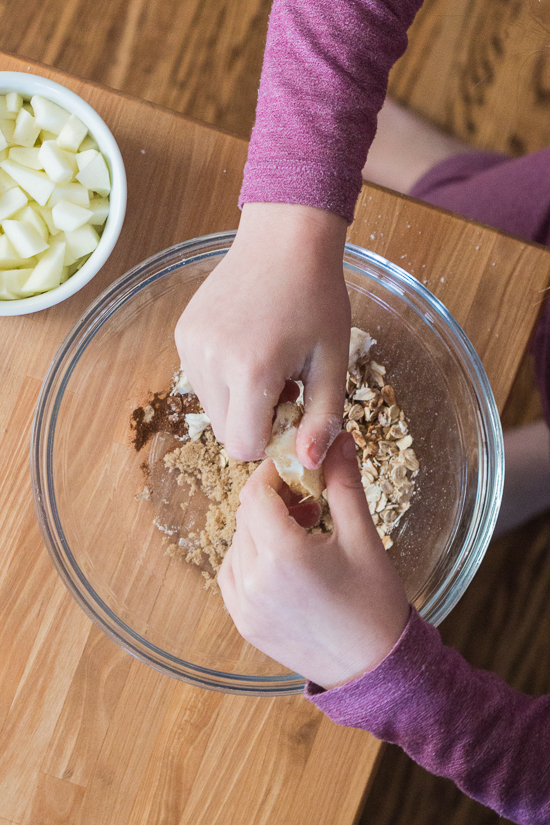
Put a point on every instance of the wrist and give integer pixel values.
(293, 226)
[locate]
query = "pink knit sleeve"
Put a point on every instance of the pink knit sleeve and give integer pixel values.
(323, 83)
(454, 720)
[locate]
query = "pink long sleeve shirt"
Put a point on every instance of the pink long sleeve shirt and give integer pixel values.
(323, 83)
(455, 721)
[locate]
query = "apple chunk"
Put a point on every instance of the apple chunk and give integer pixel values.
(12, 282)
(72, 134)
(49, 116)
(69, 216)
(55, 162)
(36, 184)
(25, 238)
(95, 176)
(11, 201)
(82, 241)
(47, 273)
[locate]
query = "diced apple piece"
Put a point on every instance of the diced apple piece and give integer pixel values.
(7, 127)
(73, 192)
(66, 274)
(36, 184)
(30, 215)
(26, 157)
(3, 154)
(95, 176)
(26, 129)
(100, 211)
(72, 134)
(26, 240)
(45, 135)
(11, 201)
(70, 270)
(82, 241)
(6, 182)
(69, 259)
(47, 217)
(48, 271)
(12, 282)
(71, 160)
(69, 216)
(14, 102)
(9, 259)
(49, 116)
(5, 113)
(84, 158)
(88, 143)
(3, 142)
(56, 164)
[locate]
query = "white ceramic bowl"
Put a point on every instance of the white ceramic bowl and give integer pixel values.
(29, 85)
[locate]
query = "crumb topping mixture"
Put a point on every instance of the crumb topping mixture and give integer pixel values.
(379, 427)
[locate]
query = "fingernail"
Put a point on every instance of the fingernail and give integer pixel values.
(316, 453)
(348, 447)
(318, 445)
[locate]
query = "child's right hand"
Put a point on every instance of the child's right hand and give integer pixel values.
(328, 606)
(276, 308)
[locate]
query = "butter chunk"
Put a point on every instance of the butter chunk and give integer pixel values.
(282, 449)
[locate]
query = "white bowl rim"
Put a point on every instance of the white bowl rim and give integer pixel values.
(29, 84)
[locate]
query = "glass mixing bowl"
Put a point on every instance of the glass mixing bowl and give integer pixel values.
(86, 471)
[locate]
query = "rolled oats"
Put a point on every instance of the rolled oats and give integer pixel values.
(388, 462)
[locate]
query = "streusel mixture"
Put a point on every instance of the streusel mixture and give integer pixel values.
(201, 465)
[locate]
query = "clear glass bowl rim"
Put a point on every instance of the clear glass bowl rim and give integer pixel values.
(491, 458)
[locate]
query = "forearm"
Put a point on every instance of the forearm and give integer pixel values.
(324, 80)
(456, 721)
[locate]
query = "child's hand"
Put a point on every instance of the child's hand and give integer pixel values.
(328, 606)
(276, 308)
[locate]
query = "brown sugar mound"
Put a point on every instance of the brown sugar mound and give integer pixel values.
(204, 465)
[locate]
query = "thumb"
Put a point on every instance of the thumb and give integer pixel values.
(346, 496)
(264, 510)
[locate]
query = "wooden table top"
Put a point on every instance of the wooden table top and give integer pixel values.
(90, 735)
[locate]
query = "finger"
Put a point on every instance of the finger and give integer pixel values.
(266, 514)
(230, 590)
(324, 393)
(306, 513)
(214, 398)
(215, 403)
(345, 492)
(244, 553)
(249, 419)
(266, 475)
(226, 582)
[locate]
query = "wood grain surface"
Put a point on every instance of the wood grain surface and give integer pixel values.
(479, 68)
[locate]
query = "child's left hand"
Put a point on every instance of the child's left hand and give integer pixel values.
(328, 606)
